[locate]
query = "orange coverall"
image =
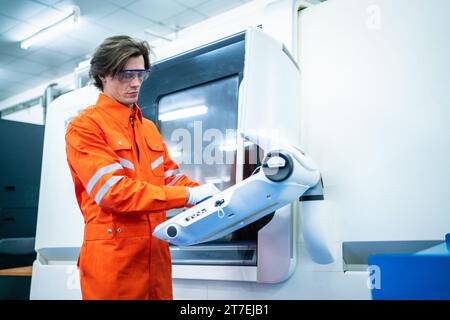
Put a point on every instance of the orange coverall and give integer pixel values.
(124, 181)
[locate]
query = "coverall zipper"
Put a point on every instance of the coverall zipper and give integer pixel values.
(134, 134)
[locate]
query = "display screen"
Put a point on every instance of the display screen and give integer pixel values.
(199, 128)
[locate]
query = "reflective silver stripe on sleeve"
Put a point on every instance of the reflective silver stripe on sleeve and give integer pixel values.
(127, 164)
(157, 162)
(177, 177)
(106, 186)
(170, 173)
(100, 172)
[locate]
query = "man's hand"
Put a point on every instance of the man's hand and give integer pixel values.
(197, 194)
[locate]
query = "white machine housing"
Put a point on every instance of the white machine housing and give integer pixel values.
(59, 232)
(284, 177)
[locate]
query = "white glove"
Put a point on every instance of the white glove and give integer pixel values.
(197, 194)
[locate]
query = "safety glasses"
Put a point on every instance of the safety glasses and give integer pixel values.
(128, 75)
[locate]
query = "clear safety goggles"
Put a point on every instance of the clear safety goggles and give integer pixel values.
(129, 74)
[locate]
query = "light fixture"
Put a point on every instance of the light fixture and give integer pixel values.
(183, 113)
(52, 30)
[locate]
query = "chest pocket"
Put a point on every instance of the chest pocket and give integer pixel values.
(156, 152)
(122, 148)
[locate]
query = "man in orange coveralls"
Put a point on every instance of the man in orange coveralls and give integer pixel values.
(124, 181)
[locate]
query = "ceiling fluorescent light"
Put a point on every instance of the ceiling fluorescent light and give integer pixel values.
(53, 30)
(183, 113)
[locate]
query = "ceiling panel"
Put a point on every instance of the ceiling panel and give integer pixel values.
(10, 86)
(215, 7)
(95, 9)
(7, 23)
(20, 9)
(18, 88)
(156, 10)
(4, 95)
(122, 3)
(96, 32)
(13, 75)
(53, 73)
(43, 78)
(35, 23)
(146, 19)
(184, 19)
(119, 21)
(50, 74)
(25, 66)
(190, 3)
(48, 2)
(75, 47)
(4, 83)
(49, 58)
(6, 58)
(160, 28)
(14, 49)
(45, 18)
(18, 32)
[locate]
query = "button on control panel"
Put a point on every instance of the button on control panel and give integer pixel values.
(202, 211)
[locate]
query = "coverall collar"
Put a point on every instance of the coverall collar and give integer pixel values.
(118, 111)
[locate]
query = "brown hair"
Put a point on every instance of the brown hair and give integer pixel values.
(112, 55)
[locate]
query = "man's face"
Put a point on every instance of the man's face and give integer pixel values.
(121, 89)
